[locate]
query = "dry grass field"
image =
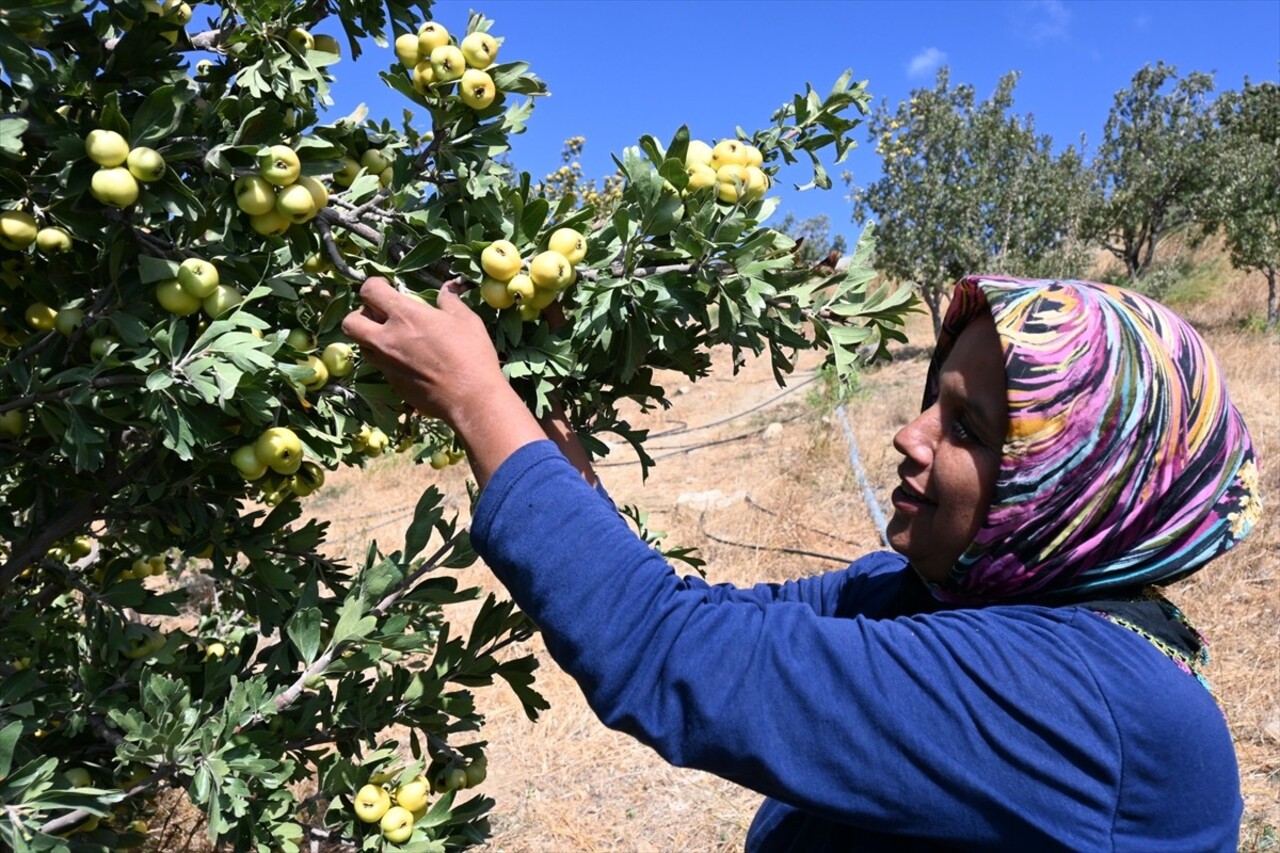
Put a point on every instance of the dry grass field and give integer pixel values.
(780, 463)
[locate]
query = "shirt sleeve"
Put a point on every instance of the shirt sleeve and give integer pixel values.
(917, 722)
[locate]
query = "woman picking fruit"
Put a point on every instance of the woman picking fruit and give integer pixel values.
(1010, 679)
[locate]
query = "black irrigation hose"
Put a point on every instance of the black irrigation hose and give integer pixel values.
(676, 451)
(789, 390)
(751, 503)
(844, 561)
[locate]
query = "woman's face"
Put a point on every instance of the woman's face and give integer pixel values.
(952, 456)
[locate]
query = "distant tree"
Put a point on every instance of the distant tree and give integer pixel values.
(968, 187)
(814, 237)
(1150, 174)
(1245, 197)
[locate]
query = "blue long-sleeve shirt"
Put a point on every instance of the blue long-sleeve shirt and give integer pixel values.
(1011, 727)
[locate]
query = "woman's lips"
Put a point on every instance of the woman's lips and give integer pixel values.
(907, 498)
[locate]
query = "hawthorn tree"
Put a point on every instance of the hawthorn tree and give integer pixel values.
(1152, 168)
(1244, 199)
(181, 227)
(968, 187)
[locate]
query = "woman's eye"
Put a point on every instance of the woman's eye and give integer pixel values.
(961, 431)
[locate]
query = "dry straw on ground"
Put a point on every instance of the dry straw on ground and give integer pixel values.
(568, 784)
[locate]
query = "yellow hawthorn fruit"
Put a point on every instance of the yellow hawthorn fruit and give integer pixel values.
(269, 223)
(371, 803)
(569, 243)
(476, 88)
(730, 182)
(501, 260)
(40, 316)
(319, 192)
(754, 157)
(423, 77)
(407, 50)
(521, 288)
(479, 49)
(18, 229)
(115, 186)
(53, 240)
(698, 153)
(296, 203)
(106, 147)
(551, 270)
(729, 152)
(701, 176)
(349, 172)
(447, 63)
(145, 164)
(254, 195)
(495, 293)
(430, 36)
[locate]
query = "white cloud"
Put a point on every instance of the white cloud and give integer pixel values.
(1039, 21)
(925, 62)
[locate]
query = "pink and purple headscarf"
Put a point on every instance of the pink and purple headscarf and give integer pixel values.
(1125, 464)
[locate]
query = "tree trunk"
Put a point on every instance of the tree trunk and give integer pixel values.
(1273, 308)
(933, 298)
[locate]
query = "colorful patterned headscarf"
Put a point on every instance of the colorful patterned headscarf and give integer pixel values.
(1125, 464)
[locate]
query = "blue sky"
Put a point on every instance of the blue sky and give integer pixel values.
(618, 69)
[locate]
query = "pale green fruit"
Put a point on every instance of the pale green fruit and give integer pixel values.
(215, 651)
(479, 49)
(198, 277)
(319, 373)
(269, 223)
(301, 39)
(397, 824)
(757, 183)
(698, 152)
(447, 63)
(12, 423)
(495, 293)
(280, 165)
(40, 316)
(551, 270)
(301, 340)
(18, 229)
(319, 192)
(67, 320)
(542, 298)
(701, 176)
(371, 803)
(423, 77)
(476, 88)
(731, 181)
(106, 147)
(174, 299)
(569, 243)
(430, 36)
(439, 460)
(114, 186)
(729, 152)
(296, 203)
(327, 43)
(223, 299)
(146, 164)
(247, 462)
(375, 160)
(413, 795)
(349, 172)
(99, 348)
(500, 259)
(407, 50)
(254, 195)
(280, 449)
(338, 358)
(53, 240)
(521, 288)
(754, 157)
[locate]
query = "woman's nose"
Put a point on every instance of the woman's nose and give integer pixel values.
(917, 439)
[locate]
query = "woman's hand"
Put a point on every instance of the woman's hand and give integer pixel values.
(442, 362)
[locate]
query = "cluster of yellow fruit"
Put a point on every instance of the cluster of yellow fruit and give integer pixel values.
(433, 60)
(120, 167)
(733, 167)
(550, 273)
(176, 13)
(279, 195)
(278, 450)
(196, 286)
(397, 811)
(144, 567)
(19, 230)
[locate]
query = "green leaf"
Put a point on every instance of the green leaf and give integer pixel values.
(303, 629)
(159, 115)
(8, 740)
(11, 130)
(426, 515)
